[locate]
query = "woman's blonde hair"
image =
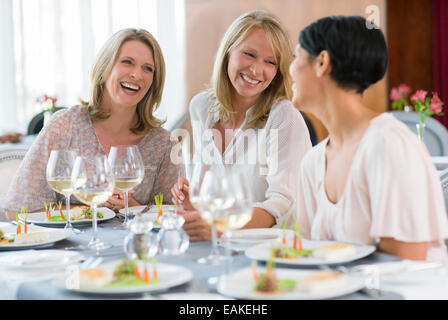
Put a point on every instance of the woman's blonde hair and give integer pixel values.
(101, 70)
(279, 88)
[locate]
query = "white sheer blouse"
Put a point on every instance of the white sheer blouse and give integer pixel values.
(392, 190)
(270, 155)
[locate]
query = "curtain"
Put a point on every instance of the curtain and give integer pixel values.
(48, 47)
(440, 25)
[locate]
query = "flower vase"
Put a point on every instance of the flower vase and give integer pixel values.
(420, 130)
(407, 108)
(47, 116)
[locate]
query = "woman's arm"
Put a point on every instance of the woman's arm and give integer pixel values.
(405, 250)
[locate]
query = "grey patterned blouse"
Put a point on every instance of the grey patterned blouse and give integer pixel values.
(72, 129)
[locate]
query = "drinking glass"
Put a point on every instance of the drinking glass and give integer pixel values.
(59, 170)
(128, 169)
(215, 195)
(93, 183)
(238, 214)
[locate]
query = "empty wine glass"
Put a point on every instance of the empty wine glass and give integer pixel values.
(215, 195)
(59, 170)
(128, 169)
(93, 183)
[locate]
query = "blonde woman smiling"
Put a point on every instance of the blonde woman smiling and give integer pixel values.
(127, 81)
(250, 91)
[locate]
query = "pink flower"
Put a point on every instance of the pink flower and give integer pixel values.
(419, 95)
(436, 103)
(395, 94)
(404, 89)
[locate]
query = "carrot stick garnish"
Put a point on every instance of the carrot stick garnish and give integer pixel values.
(47, 211)
(254, 270)
(154, 267)
(146, 277)
(137, 272)
(284, 233)
(159, 201)
(19, 228)
(59, 204)
(297, 236)
(25, 211)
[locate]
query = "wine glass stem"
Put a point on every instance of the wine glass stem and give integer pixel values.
(126, 210)
(67, 209)
(94, 223)
(215, 250)
(227, 250)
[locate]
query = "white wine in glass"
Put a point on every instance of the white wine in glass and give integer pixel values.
(58, 174)
(93, 183)
(128, 169)
(214, 196)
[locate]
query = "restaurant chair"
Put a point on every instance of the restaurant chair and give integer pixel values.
(37, 123)
(10, 159)
(435, 136)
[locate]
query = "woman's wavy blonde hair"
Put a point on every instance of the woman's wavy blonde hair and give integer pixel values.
(101, 70)
(280, 87)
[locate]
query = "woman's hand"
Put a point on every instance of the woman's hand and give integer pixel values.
(116, 201)
(180, 194)
(195, 226)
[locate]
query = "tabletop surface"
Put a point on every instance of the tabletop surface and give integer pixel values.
(46, 290)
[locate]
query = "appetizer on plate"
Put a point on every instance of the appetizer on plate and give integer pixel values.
(268, 282)
(322, 281)
(125, 273)
(316, 283)
(77, 213)
(335, 251)
(331, 252)
(23, 235)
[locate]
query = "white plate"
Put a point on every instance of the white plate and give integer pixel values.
(40, 218)
(169, 275)
(262, 252)
(411, 272)
(152, 213)
(152, 210)
(193, 296)
(243, 239)
(40, 259)
(240, 285)
(55, 235)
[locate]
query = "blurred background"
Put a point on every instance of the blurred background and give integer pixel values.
(48, 46)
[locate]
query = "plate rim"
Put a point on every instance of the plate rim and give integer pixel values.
(369, 249)
(186, 276)
(62, 223)
(357, 284)
(62, 235)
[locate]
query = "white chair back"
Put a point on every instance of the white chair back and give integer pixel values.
(10, 159)
(435, 135)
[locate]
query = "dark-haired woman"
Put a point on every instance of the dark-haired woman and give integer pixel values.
(371, 181)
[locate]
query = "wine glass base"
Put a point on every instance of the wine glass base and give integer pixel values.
(213, 259)
(92, 245)
(71, 228)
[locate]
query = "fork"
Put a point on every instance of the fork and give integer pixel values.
(91, 262)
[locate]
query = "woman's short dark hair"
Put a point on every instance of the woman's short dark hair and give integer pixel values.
(357, 49)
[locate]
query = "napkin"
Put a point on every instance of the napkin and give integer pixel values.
(31, 265)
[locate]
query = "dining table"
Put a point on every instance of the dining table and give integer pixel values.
(30, 285)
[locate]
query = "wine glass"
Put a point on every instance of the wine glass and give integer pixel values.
(215, 195)
(59, 170)
(127, 166)
(237, 215)
(93, 183)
